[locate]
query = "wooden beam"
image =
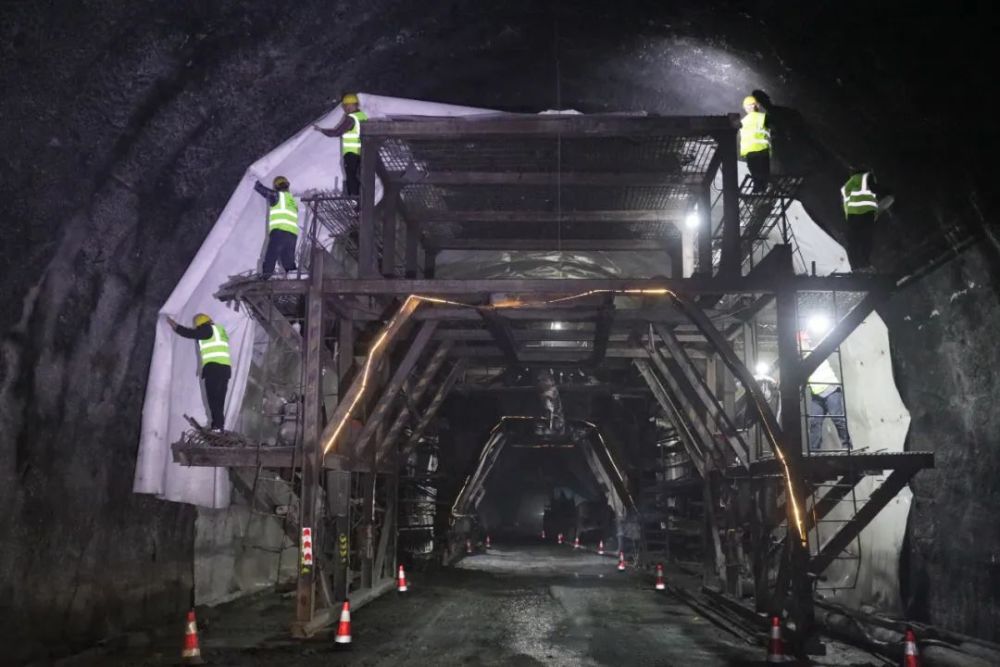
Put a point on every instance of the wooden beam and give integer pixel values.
(413, 394)
(670, 215)
(534, 125)
(572, 286)
(730, 261)
(566, 245)
(878, 499)
(500, 330)
(391, 390)
(549, 178)
(602, 332)
(839, 333)
(432, 408)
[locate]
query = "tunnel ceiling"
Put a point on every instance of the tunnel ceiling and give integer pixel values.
(127, 125)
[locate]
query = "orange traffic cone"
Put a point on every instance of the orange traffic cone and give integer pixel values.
(343, 635)
(660, 584)
(468, 546)
(911, 656)
(191, 654)
(401, 586)
(487, 541)
(621, 561)
(775, 646)
(576, 542)
(559, 539)
(600, 548)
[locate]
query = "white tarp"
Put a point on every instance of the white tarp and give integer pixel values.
(311, 162)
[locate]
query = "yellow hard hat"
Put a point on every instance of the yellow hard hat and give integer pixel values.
(201, 318)
(749, 100)
(350, 98)
(281, 183)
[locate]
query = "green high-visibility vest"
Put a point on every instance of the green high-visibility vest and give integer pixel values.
(351, 141)
(754, 136)
(215, 350)
(284, 215)
(823, 378)
(858, 199)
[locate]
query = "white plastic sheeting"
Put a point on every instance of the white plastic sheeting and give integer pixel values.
(311, 162)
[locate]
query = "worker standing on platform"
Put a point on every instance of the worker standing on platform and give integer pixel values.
(755, 143)
(861, 208)
(216, 363)
(825, 398)
(282, 226)
(349, 131)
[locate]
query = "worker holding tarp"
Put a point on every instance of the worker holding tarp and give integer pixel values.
(216, 362)
(755, 143)
(349, 131)
(861, 208)
(282, 226)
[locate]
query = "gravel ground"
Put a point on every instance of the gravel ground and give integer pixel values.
(540, 605)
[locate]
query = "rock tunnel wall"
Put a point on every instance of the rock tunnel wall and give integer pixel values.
(126, 126)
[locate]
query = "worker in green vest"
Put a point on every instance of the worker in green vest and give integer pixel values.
(216, 362)
(861, 208)
(349, 131)
(825, 400)
(755, 143)
(282, 226)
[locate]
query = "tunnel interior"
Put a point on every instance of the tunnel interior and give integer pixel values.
(128, 128)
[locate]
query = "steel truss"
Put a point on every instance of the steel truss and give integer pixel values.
(398, 339)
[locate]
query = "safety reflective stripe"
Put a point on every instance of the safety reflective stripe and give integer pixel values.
(215, 349)
(351, 141)
(823, 378)
(858, 199)
(284, 215)
(754, 136)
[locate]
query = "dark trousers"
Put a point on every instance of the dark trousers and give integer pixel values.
(860, 236)
(828, 404)
(216, 378)
(759, 166)
(352, 174)
(280, 245)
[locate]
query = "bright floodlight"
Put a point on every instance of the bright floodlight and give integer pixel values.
(556, 326)
(693, 220)
(818, 324)
(762, 368)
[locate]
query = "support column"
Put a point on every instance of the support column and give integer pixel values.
(412, 248)
(429, 259)
(729, 265)
(799, 602)
(367, 267)
(390, 216)
(312, 454)
(705, 232)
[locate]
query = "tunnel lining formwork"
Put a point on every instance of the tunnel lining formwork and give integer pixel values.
(420, 334)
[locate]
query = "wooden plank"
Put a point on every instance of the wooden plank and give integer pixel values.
(564, 244)
(672, 215)
(688, 286)
(550, 178)
(534, 125)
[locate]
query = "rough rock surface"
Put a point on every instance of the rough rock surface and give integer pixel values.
(126, 125)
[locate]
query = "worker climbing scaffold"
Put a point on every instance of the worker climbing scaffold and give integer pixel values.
(216, 362)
